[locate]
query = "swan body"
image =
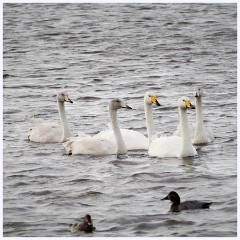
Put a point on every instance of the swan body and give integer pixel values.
(175, 146)
(47, 132)
(94, 145)
(199, 133)
(132, 139)
(135, 140)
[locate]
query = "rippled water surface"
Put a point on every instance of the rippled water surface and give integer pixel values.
(102, 51)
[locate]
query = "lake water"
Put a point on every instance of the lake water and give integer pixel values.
(98, 52)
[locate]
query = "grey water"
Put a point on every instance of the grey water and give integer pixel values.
(99, 52)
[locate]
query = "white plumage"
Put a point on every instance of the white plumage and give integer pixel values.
(135, 140)
(95, 146)
(175, 146)
(198, 132)
(48, 132)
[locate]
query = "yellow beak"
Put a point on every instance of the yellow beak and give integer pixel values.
(154, 100)
(188, 104)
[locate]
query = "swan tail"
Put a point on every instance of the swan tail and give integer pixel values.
(68, 147)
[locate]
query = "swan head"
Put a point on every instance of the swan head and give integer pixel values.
(62, 97)
(184, 103)
(150, 98)
(117, 103)
(197, 92)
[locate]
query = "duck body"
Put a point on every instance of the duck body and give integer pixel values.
(86, 225)
(189, 205)
(178, 206)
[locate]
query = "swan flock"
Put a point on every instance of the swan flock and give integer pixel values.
(119, 141)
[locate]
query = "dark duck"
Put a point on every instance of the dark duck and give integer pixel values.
(86, 225)
(178, 206)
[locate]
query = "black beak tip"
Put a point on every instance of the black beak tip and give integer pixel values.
(166, 198)
(128, 107)
(192, 107)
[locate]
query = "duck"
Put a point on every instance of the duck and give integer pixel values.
(86, 225)
(135, 140)
(200, 134)
(178, 206)
(49, 132)
(91, 145)
(175, 146)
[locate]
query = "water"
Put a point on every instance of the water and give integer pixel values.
(101, 51)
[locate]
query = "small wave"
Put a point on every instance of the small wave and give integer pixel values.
(5, 75)
(184, 23)
(19, 184)
(16, 224)
(37, 193)
(88, 98)
(91, 193)
(83, 180)
(146, 226)
(172, 222)
(56, 68)
(141, 174)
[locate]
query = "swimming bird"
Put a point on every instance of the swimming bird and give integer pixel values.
(95, 146)
(178, 206)
(135, 140)
(86, 225)
(48, 132)
(175, 146)
(199, 133)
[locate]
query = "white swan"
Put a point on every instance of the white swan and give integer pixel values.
(135, 140)
(199, 133)
(47, 132)
(93, 145)
(150, 99)
(175, 146)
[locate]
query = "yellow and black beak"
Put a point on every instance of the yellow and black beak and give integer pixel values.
(155, 101)
(69, 100)
(189, 105)
(196, 94)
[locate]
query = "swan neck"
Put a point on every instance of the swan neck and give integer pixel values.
(64, 122)
(149, 122)
(121, 147)
(185, 128)
(199, 119)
